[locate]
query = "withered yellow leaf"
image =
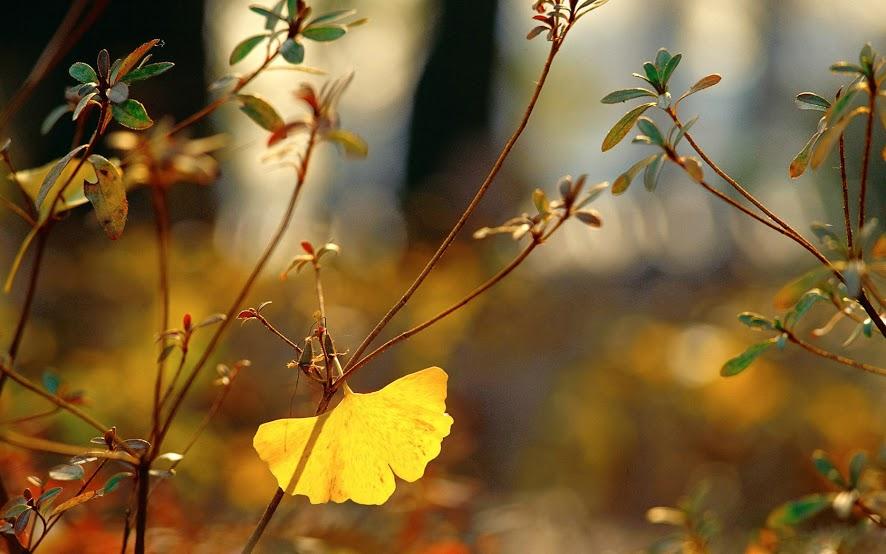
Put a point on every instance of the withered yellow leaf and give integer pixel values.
(108, 196)
(353, 451)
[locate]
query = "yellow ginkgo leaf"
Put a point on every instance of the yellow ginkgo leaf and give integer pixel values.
(353, 451)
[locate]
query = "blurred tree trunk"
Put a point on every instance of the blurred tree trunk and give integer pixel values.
(451, 105)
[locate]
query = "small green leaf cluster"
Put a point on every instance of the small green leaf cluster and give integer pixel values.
(656, 73)
(783, 326)
(868, 76)
(857, 494)
(294, 16)
(696, 526)
(108, 85)
(572, 203)
(38, 501)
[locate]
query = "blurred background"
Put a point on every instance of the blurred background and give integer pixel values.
(585, 388)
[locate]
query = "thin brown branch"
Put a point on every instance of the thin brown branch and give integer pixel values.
(221, 100)
(161, 233)
(44, 445)
(744, 192)
(834, 357)
(247, 286)
(475, 201)
(58, 401)
(866, 151)
(276, 332)
(844, 183)
(491, 282)
(788, 230)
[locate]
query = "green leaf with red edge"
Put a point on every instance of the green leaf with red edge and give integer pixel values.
(703, 83)
(623, 126)
(260, 111)
(132, 59)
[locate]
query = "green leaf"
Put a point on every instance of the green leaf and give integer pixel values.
(701, 84)
(827, 468)
(856, 467)
(623, 181)
(797, 511)
(624, 95)
(147, 71)
(841, 105)
(830, 137)
(107, 196)
(53, 117)
(812, 101)
(741, 362)
(292, 8)
(846, 67)
(790, 294)
(260, 111)
(682, 130)
(331, 16)
(48, 495)
(15, 510)
(51, 382)
(662, 57)
(292, 51)
(353, 145)
(245, 47)
(669, 69)
(81, 105)
(652, 75)
(801, 160)
(131, 114)
(755, 321)
(803, 305)
(54, 174)
(648, 128)
(114, 481)
(83, 72)
(118, 93)
(653, 172)
(324, 34)
(624, 126)
(67, 472)
(271, 16)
